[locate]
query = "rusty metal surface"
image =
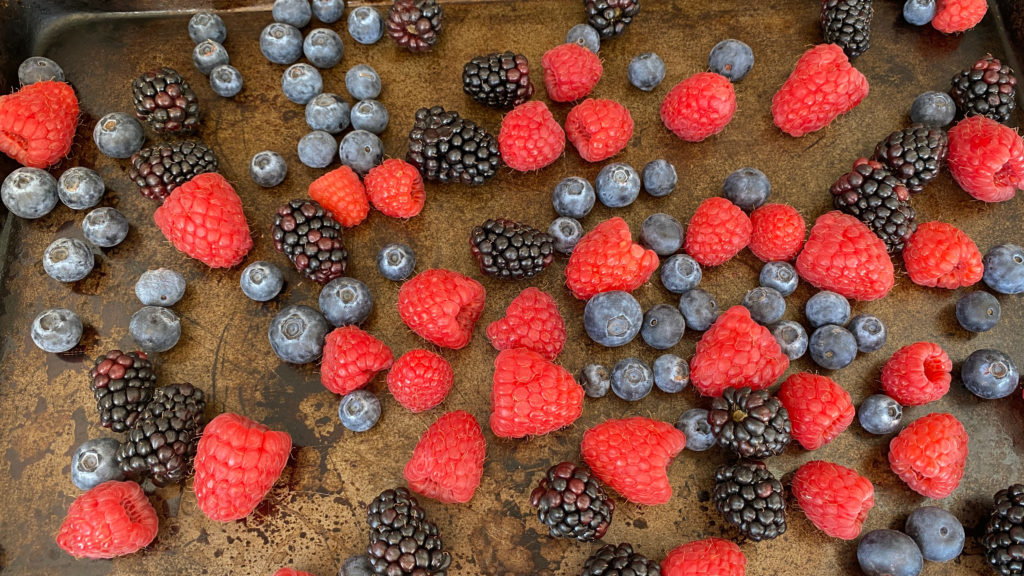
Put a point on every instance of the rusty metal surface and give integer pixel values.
(314, 516)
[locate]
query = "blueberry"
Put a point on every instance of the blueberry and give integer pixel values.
(978, 311)
(362, 82)
(595, 379)
(663, 327)
(281, 43)
(361, 151)
(328, 11)
(365, 25)
(105, 227)
(207, 26)
(29, 192)
(80, 188)
(680, 273)
(359, 410)
(671, 373)
(573, 197)
(989, 374)
(646, 71)
(396, 261)
(346, 301)
(1004, 269)
(938, 534)
(792, 338)
(659, 177)
(323, 48)
(889, 553)
(632, 379)
(699, 309)
(934, 109)
(732, 59)
(869, 332)
(662, 233)
(155, 328)
(118, 135)
(327, 112)
(268, 168)
(207, 55)
(879, 414)
(747, 188)
(919, 12)
(293, 12)
(226, 81)
(261, 281)
(612, 318)
(297, 334)
(369, 115)
(160, 287)
(779, 275)
(567, 233)
(617, 185)
(694, 424)
(827, 308)
(317, 149)
(301, 83)
(584, 35)
(39, 69)
(766, 305)
(358, 565)
(56, 330)
(95, 462)
(832, 347)
(68, 260)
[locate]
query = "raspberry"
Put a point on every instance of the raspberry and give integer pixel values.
(819, 409)
(342, 194)
(958, 15)
(777, 232)
(237, 463)
(632, 457)
(930, 455)
(395, 187)
(917, 374)
(570, 72)
(441, 306)
(203, 218)
(710, 557)
(420, 380)
(530, 137)
(736, 352)
(834, 498)
(698, 107)
(352, 358)
(448, 461)
(532, 396)
(112, 519)
(38, 122)
(844, 256)
(986, 158)
(822, 86)
(940, 255)
(288, 571)
(718, 231)
(531, 321)
(599, 129)
(607, 259)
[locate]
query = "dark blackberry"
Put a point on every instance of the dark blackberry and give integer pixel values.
(751, 423)
(610, 17)
(415, 24)
(162, 442)
(877, 198)
(571, 502)
(160, 169)
(449, 148)
(123, 386)
(311, 239)
(915, 155)
(750, 498)
(510, 250)
(1004, 533)
(988, 88)
(499, 80)
(611, 560)
(848, 24)
(402, 540)
(166, 101)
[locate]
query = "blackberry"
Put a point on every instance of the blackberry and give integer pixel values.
(163, 441)
(158, 170)
(751, 423)
(915, 155)
(987, 88)
(499, 80)
(1004, 533)
(750, 498)
(123, 386)
(449, 148)
(874, 196)
(611, 560)
(311, 239)
(415, 24)
(511, 250)
(610, 17)
(166, 101)
(402, 540)
(571, 502)
(848, 24)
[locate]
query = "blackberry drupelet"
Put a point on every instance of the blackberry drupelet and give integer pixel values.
(402, 540)
(848, 24)
(1004, 532)
(449, 148)
(311, 239)
(915, 155)
(610, 17)
(160, 169)
(750, 498)
(751, 423)
(611, 560)
(988, 88)
(571, 502)
(499, 80)
(163, 441)
(511, 250)
(123, 386)
(415, 24)
(877, 198)
(166, 101)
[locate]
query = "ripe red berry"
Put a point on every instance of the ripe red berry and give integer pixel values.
(607, 259)
(441, 306)
(834, 498)
(530, 137)
(953, 16)
(986, 158)
(38, 122)
(531, 321)
(288, 571)
(448, 460)
(598, 129)
(570, 72)
(342, 194)
(352, 357)
(930, 455)
(718, 231)
(917, 374)
(698, 107)
(736, 352)
(420, 380)
(822, 86)
(843, 255)
(777, 232)
(112, 519)
(819, 409)
(709, 557)
(395, 187)
(632, 456)
(531, 396)
(204, 219)
(940, 255)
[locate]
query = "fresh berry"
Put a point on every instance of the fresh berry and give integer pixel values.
(845, 256)
(352, 357)
(780, 276)
(662, 233)
(123, 386)
(585, 35)
(402, 537)
(832, 347)
(889, 553)
(632, 379)
(868, 331)
(663, 327)
(819, 409)
(847, 23)
(448, 460)
(510, 250)
(38, 122)
(359, 410)
(40, 69)
(613, 318)
(874, 196)
(827, 308)
(640, 473)
(1004, 269)
(369, 115)
(395, 188)
(105, 227)
(988, 88)
(599, 129)
(750, 498)
(777, 232)
(659, 177)
(646, 71)
(930, 454)
(420, 380)
(29, 193)
(880, 414)
(95, 462)
(572, 504)
(281, 43)
(680, 273)
(940, 255)
(328, 11)
(938, 534)
(1002, 546)
(573, 196)
(158, 170)
(747, 188)
(595, 379)
(530, 138)
(311, 239)
(617, 185)
(288, 571)
(700, 436)
(226, 81)
(345, 301)
(207, 26)
(322, 47)
(766, 305)
(297, 334)
(699, 107)
(699, 308)
(162, 442)
(118, 135)
(977, 311)
(110, 520)
(80, 188)
(261, 281)
(570, 72)
(268, 168)
(917, 374)
(415, 24)
(155, 328)
(160, 287)
(441, 306)
(671, 373)
(610, 17)
(834, 498)
(531, 321)
(750, 423)
(712, 556)
(293, 12)
(165, 101)
(531, 396)
(208, 55)
(732, 59)
(359, 564)
(301, 83)
(823, 77)
(792, 338)
(317, 149)
(396, 261)
(449, 148)
(989, 374)
(986, 158)
(606, 259)
(915, 155)
(365, 25)
(203, 218)
(498, 80)
(918, 12)
(362, 82)
(931, 108)
(717, 231)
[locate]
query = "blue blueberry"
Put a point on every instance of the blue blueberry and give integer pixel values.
(632, 379)
(978, 311)
(358, 565)
(938, 534)
(880, 414)
(567, 233)
(160, 287)
(359, 410)
(612, 318)
(369, 115)
(659, 177)
(56, 330)
(207, 26)
(118, 135)
(323, 48)
(663, 327)
(646, 71)
(396, 261)
(933, 108)
(68, 260)
(327, 112)
(832, 347)
(362, 82)
(680, 273)
(281, 43)
(346, 301)
(29, 192)
(1004, 269)
(596, 380)
(39, 69)
(207, 55)
(155, 328)
(226, 81)
(827, 308)
(662, 233)
(989, 374)
(584, 35)
(617, 185)
(365, 25)
(699, 309)
(889, 553)
(80, 188)
(95, 462)
(301, 83)
(261, 281)
(268, 168)
(317, 149)
(779, 275)
(792, 338)
(869, 332)
(105, 227)
(328, 11)
(361, 151)
(919, 12)
(573, 197)
(293, 12)
(671, 373)
(297, 334)
(766, 305)
(699, 434)
(747, 188)
(732, 59)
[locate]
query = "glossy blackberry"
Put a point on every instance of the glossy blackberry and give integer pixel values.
(449, 148)
(311, 239)
(873, 195)
(915, 155)
(402, 540)
(848, 24)
(123, 386)
(1004, 533)
(158, 170)
(165, 100)
(415, 24)
(499, 80)
(610, 17)
(988, 88)
(611, 560)
(510, 250)
(750, 498)
(751, 423)
(162, 442)
(572, 504)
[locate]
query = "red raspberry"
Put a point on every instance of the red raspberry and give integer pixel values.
(287, 571)
(917, 374)
(570, 72)
(352, 357)
(203, 218)
(843, 255)
(112, 519)
(448, 461)
(777, 232)
(718, 231)
(632, 457)
(710, 557)
(38, 123)
(958, 15)
(420, 380)
(822, 86)
(530, 137)
(441, 306)
(834, 498)
(607, 259)
(599, 129)
(940, 255)
(819, 409)
(930, 455)
(736, 352)
(531, 396)
(342, 194)
(395, 187)
(698, 107)
(531, 321)
(237, 462)
(986, 158)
